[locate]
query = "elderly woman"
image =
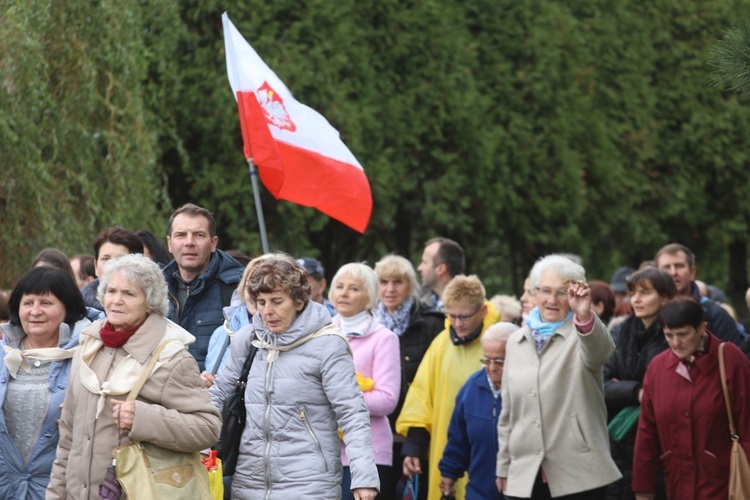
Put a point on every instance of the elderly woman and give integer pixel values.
(301, 388)
(415, 323)
(553, 428)
(354, 294)
(684, 381)
(172, 410)
(449, 362)
(527, 300)
(236, 316)
(638, 339)
(472, 434)
(47, 314)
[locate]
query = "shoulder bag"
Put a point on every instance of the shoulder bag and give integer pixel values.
(145, 470)
(739, 467)
(233, 415)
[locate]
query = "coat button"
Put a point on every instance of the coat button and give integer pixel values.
(532, 394)
(687, 414)
(407, 358)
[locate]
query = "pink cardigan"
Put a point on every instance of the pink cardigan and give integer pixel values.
(377, 356)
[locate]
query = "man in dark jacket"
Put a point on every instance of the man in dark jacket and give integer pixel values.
(679, 262)
(201, 278)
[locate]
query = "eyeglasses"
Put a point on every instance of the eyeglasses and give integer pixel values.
(490, 361)
(462, 317)
(561, 294)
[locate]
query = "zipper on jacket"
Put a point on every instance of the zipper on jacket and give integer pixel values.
(176, 308)
(305, 421)
(267, 431)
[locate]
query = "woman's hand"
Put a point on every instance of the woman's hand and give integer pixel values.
(502, 483)
(123, 413)
(579, 299)
(412, 466)
(208, 379)
(446, 487)
(365, 493)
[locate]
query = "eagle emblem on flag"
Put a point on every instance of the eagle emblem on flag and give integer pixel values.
(273, 107)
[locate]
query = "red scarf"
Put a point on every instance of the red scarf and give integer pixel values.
(116, 338)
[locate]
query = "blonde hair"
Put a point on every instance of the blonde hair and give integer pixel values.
(395, 266)
(466, 290)
(246, 274)
(507, 306)
(362, 273)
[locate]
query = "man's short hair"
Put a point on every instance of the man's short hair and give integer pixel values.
(674, 248)
(193, 210)
(86, 266)
(449, 253)
(118, 236)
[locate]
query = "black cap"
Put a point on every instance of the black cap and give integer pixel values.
(312, 266)
(619, 282)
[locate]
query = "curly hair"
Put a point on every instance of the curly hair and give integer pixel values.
(141, 271)
(395, 266)
(279, 272)
(464, 290)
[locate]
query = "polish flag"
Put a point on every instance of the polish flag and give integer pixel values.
(299, 154)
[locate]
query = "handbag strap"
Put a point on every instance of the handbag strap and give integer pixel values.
(723, 373)
(146, 372)
(221, 355)
(247, 365)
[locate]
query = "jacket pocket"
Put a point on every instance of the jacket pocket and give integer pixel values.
(578, 433)
(318, 448)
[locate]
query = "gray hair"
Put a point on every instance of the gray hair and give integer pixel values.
(141, 271)
(563, 266)
(498, 332)
(362, 273)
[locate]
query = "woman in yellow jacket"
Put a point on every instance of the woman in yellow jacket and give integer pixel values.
(450, 360)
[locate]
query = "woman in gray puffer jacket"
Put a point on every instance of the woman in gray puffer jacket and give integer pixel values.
(301, 389)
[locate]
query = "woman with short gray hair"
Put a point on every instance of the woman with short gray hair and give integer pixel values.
(552, 431)
(172, 410)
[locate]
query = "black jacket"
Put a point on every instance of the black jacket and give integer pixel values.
(424, 325)
(635, 347)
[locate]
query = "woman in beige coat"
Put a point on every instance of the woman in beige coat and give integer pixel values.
(552, 430)
(173, 409)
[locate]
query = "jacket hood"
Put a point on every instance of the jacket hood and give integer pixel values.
(89, 295)
(312, 318)
(235, 317)
(14, 335)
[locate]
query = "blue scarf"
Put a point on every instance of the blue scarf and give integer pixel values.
(542, 328)
(399, 321)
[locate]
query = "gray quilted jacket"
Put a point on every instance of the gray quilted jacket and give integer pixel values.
(295, 404)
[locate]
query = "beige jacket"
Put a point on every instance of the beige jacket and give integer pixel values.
(553, 412)
(173, 410)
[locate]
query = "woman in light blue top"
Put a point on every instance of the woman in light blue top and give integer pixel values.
(47, 313)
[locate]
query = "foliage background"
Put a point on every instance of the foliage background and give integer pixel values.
(516, 128)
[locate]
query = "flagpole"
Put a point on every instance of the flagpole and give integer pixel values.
(258, 207)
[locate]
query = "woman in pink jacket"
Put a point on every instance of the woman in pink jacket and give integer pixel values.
(354, 294)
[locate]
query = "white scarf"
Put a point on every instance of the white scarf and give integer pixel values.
(128, 369)
(20, 358)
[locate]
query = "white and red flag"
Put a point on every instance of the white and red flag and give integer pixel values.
(298, 153)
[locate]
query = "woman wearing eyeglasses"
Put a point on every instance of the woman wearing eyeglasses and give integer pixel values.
(449, 361)
(552, 432)
(472, 434)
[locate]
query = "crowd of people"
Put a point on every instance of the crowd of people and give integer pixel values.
(399, 382)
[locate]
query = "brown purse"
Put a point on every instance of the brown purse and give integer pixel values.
(739, 467)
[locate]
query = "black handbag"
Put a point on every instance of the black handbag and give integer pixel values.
(233, 419)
